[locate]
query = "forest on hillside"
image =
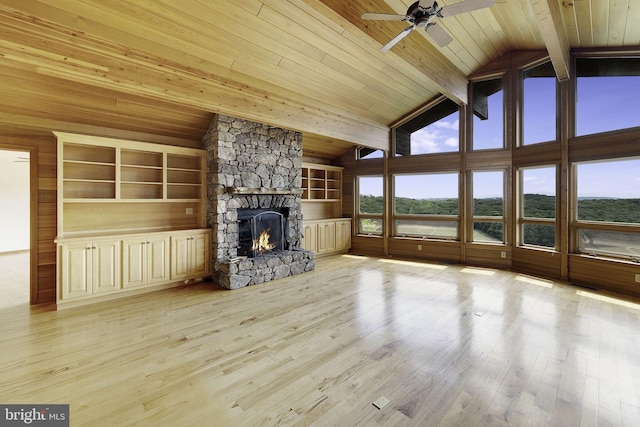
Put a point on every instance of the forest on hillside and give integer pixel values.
(535, 206)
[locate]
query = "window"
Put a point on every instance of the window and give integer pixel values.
(488, 114)
(608, 207)
(539, 104)
(488, 206)
(434, 131)
(538, 206)
(370, 205)
(369, 153)
(607, 94)
(426, 205)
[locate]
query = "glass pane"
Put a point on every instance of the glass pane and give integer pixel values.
(420, 228)
(539, 104)
(539, 192)
(609, 191)
(488, 193)
(492, 232)
(539, 235)
(369, 153)
(609, 242)
(371, 189)
(370, 226)
(488, 111)
(433, 194)
(607, 93)
(434, 131)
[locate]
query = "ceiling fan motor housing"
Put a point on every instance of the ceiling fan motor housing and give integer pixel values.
(420, 15)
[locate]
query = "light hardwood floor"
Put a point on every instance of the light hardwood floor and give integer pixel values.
(14, 276)
(447, 345)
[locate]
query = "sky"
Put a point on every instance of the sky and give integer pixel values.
(604, 104)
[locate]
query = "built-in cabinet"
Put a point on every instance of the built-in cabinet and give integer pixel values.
(91, 267)
(131, 216)
(327, 236)
(324, 231)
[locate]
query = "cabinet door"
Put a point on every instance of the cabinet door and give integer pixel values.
(89, 268)
(180, 257)
(134, 262)
(326, 237)
(310, 239)
(199, 259)
(343, 235)
(158, 259)
(75, 270)
(106, 267)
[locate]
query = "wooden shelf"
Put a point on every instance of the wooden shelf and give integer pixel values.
(112, 184)
(321, 191)
(321, 182)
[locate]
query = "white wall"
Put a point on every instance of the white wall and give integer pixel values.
(14, 201)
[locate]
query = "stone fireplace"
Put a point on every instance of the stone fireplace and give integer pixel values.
(254, 202)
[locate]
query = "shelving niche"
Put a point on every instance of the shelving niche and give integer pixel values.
(109, 185)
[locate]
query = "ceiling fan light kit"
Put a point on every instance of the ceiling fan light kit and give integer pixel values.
(419, 15)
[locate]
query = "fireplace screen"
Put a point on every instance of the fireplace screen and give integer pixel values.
(261, 231)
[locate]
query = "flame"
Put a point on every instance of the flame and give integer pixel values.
(261, 244)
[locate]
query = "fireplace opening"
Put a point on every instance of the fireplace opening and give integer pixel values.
(262, 231)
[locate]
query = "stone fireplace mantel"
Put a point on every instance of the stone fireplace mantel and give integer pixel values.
(261, 190)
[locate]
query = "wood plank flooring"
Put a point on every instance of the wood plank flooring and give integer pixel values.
(14, 279)
(447, 345)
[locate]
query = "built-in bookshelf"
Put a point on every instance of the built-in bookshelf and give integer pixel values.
(321, 191)
(321, 182)
(107, 185)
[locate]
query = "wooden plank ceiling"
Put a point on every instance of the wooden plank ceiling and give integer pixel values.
(160, 69)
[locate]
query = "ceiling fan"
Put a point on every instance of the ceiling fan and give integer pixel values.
(420, 15)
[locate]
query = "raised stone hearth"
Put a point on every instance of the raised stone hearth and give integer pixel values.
(253, 166)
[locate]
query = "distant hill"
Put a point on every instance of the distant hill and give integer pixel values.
(535, 206)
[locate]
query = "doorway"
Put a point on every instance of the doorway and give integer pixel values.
(15, 227)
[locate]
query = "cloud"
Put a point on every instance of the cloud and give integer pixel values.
(443, 124)
(437, 137)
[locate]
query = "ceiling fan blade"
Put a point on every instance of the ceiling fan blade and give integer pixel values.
(466, 6)
(404, 33)
(382, 17)
(439, 35)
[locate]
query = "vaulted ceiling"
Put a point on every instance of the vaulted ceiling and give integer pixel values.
(161, 68)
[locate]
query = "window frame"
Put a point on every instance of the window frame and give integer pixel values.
(520, 123)
(594, 55)
(494, 219)
(504, 76)
(360, 216)
(425, 111)
(425, 217)
(523, 220)
(606, 226)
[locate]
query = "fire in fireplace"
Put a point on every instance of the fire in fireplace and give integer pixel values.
(262, 231)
